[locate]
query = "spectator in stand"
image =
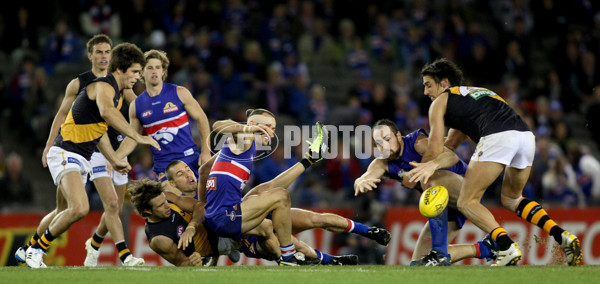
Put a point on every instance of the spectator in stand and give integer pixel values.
(15, 187)
(62, 46)
(587, 170)
(316, 46)
(101, 18)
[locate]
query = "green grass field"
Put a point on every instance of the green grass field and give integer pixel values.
(307, 274)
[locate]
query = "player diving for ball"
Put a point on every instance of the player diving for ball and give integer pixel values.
(400, 151)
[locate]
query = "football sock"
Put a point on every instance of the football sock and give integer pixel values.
(97, 241)
(325, 258)
(483, 251)
(287, 252)
(33, 240)
(500, 236)
(439, 232)
(357, 228)
(44, 241)
(535, 214)
(123, 250)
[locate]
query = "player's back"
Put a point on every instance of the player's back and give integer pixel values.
(227, 179)
(479, 112)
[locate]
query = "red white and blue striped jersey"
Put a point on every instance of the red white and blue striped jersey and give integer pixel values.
(164, 118)
(227, 179)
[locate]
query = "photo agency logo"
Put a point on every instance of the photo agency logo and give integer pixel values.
(265, 145)
(339, 141)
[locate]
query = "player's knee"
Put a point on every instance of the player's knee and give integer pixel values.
(79, 211)
(511, 203)
(111, 206)
(462, 204)
(283, 196)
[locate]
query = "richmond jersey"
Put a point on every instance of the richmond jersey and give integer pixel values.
(84, 126)
(164, 118)
(479, 112)
(398, 167)
(227, 179)
(174, 226)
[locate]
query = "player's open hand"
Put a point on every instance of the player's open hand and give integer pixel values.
(365, 185)
(261, 129)
(147, 140)
(196, 259)
(186, 238)
(421, 172)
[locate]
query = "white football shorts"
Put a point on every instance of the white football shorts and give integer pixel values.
(61, 162)
(98, 163)
(513, 148)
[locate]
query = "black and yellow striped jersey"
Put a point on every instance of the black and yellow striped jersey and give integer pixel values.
(174, 226)
(479, 112)
(84, 126)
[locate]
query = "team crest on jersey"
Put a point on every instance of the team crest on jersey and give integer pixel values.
(232, 215)
(170, 107)
(211, 183)
(179, 231)
(146, 114)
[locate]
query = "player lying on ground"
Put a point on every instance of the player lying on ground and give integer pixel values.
(174, 230)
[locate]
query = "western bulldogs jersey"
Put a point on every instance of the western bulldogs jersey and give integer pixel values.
(227, 178)
(174, 226)
(479, 112)
(409, 154)
(164, 118)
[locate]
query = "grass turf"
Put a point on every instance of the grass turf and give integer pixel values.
(306, 274)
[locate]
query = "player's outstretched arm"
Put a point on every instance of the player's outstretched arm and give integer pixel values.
(369, 180)
(106, 149)
(167, 249)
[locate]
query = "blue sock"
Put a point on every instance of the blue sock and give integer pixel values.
(483, 251)
(287, 252)
(357, 228)
(325, 258)
(439, 232)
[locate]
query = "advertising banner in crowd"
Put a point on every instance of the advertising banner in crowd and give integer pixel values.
(404, 224)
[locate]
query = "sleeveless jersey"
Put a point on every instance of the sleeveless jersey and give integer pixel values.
(409, 154)
(480, 112)
(84, 126)
(227, 179)
(164, 118)
(85, 79)
(174, 226)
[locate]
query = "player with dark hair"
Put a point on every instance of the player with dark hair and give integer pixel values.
(175, 231)
(398, 152)
(85, 127)
(99, 48)
(504, 143)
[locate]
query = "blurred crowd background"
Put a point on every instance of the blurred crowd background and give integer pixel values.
(341, 62)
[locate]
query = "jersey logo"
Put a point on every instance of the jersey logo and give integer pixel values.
(146, 114)
(232, 215)
(179, 231)
(170, 107)
(211, 183)
(165, 135)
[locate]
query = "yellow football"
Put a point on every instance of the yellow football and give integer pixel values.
(433, 201)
